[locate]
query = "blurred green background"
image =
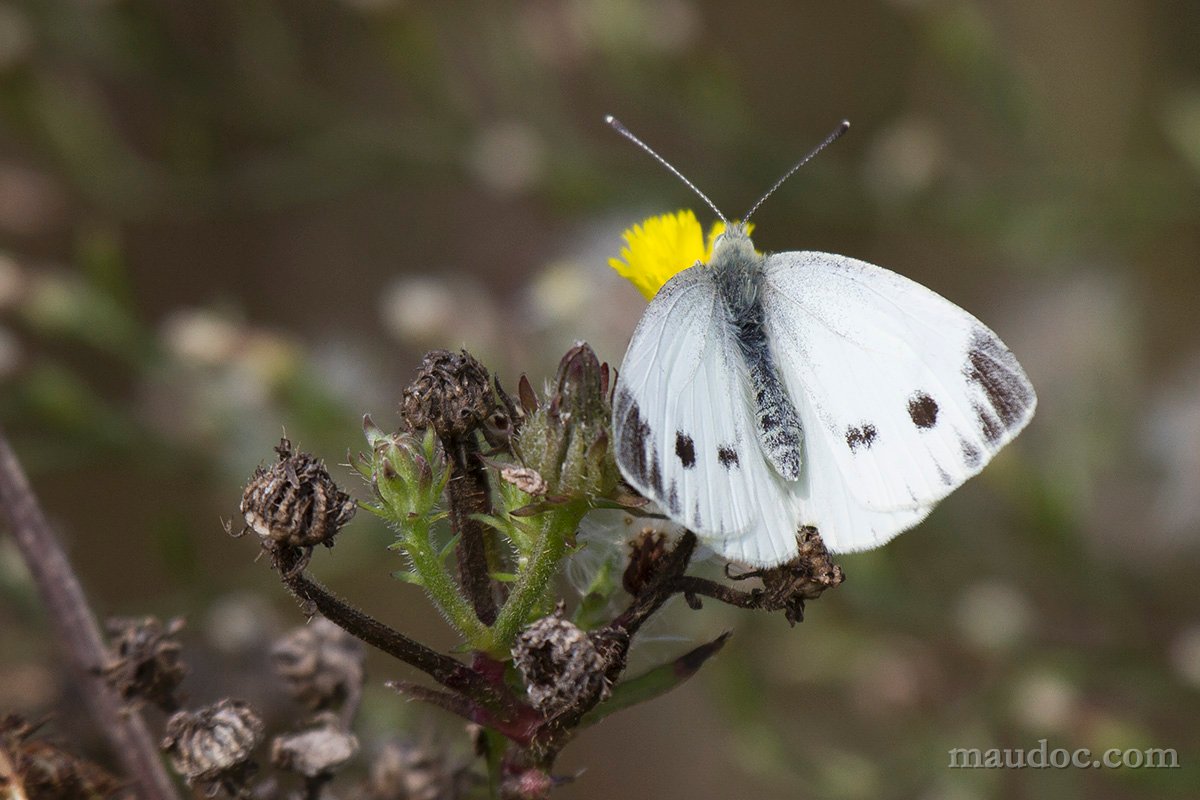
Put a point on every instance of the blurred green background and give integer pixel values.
(221, 220)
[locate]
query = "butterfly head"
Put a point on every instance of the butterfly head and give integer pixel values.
(733, 246)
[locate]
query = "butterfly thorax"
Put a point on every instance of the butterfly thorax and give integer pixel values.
(738, 270)
(740, 275)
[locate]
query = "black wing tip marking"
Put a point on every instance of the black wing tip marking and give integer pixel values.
(944, 476)
(990, 425)
(861, 436)
(994, 369)
(923, 410)
(970, 453)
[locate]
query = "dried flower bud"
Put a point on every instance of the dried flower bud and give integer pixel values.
(786, 587)
(560, 665)
(526, 479)
(320, 750)
(35, 768)
(321, 663)
(452, 394)
(213, 743)
(409, 771)
(565, 439)
(294, 503)
(145, 660)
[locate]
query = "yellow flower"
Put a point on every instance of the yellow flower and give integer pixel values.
(662, 246)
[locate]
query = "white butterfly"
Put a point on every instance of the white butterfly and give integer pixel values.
(761, 393)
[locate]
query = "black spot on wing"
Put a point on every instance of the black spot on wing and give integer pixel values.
(861, 436)
(996, 371)
(685, 449)
(727, 456)
(923, 410)
(673, 499)
(970, 453)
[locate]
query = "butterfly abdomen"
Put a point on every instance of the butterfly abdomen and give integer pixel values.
(775, 416)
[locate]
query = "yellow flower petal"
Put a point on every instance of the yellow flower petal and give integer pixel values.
(661, 247)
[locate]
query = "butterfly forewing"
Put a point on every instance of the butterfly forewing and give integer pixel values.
(684, 430)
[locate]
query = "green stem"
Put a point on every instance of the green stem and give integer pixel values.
(441, 587)
(535, 576)
(496, 745)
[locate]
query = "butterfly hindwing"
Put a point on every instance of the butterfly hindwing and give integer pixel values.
(903, 394)
(684, 431)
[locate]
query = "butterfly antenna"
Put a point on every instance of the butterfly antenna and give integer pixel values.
(616, 125)
(830, 139)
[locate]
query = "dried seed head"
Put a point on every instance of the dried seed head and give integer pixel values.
(560, 665)
(213, 743)
(452, 394)
(294, 502)
(145, 660)
(647, 552)
(321, 663)
(320, 750)
(805, 577)
(409, 771)
(36, 768)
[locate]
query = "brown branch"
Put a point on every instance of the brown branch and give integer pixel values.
(659, 590)
(468, 494)
(77, 630)
(447, 671)
(691, 586)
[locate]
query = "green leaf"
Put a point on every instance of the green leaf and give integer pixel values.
(408, 577)
(378, 511)
(530, 510)
(658, 681)
(448, 550)
(636, 511)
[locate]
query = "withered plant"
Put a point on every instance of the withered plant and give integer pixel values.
(486, 492)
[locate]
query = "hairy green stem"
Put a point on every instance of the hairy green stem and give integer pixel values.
(441, 587)
(535, 576)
